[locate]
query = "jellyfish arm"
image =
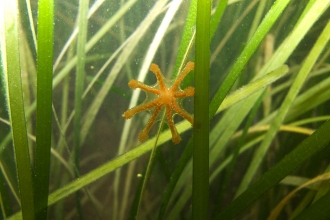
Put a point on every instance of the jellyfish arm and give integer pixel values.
(166, 97)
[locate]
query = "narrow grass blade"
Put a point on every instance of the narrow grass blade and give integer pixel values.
(6, 209)
(257, 18)
(318, 210)
(44, 105)
(200, 192)
(28, 24)
(79, 88)
(278, 120)
(255, 85)
(248, 51)
(216, 17)
(279, 207)
(186, 39)
(80, 72)
(144, 180)
(230, 171)
(240, 110)
(184, 159)
(232, 29)
(311, 145)
(11, 60)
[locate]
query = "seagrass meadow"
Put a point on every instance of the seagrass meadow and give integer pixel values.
(164, 109)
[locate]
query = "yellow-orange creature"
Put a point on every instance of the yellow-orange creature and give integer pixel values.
(165, 97)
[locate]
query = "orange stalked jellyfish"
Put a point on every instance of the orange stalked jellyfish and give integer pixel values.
(165, 97)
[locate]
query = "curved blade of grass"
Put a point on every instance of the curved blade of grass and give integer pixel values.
(277, 210)
(311, 98)
(11, 60)
(268, 21)
(6, 208)
(240, 110)
(278, 120)
(185, 191)
(318, 210)
(44, 105)
(230, 32)
(227, 124)
(305, 150)
(229, 172)
(248, 51)
(255, 85)
(8, 167)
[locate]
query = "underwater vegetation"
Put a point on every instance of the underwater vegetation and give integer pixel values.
(233, 120)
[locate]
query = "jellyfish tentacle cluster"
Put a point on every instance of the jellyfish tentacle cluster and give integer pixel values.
(165, 97)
